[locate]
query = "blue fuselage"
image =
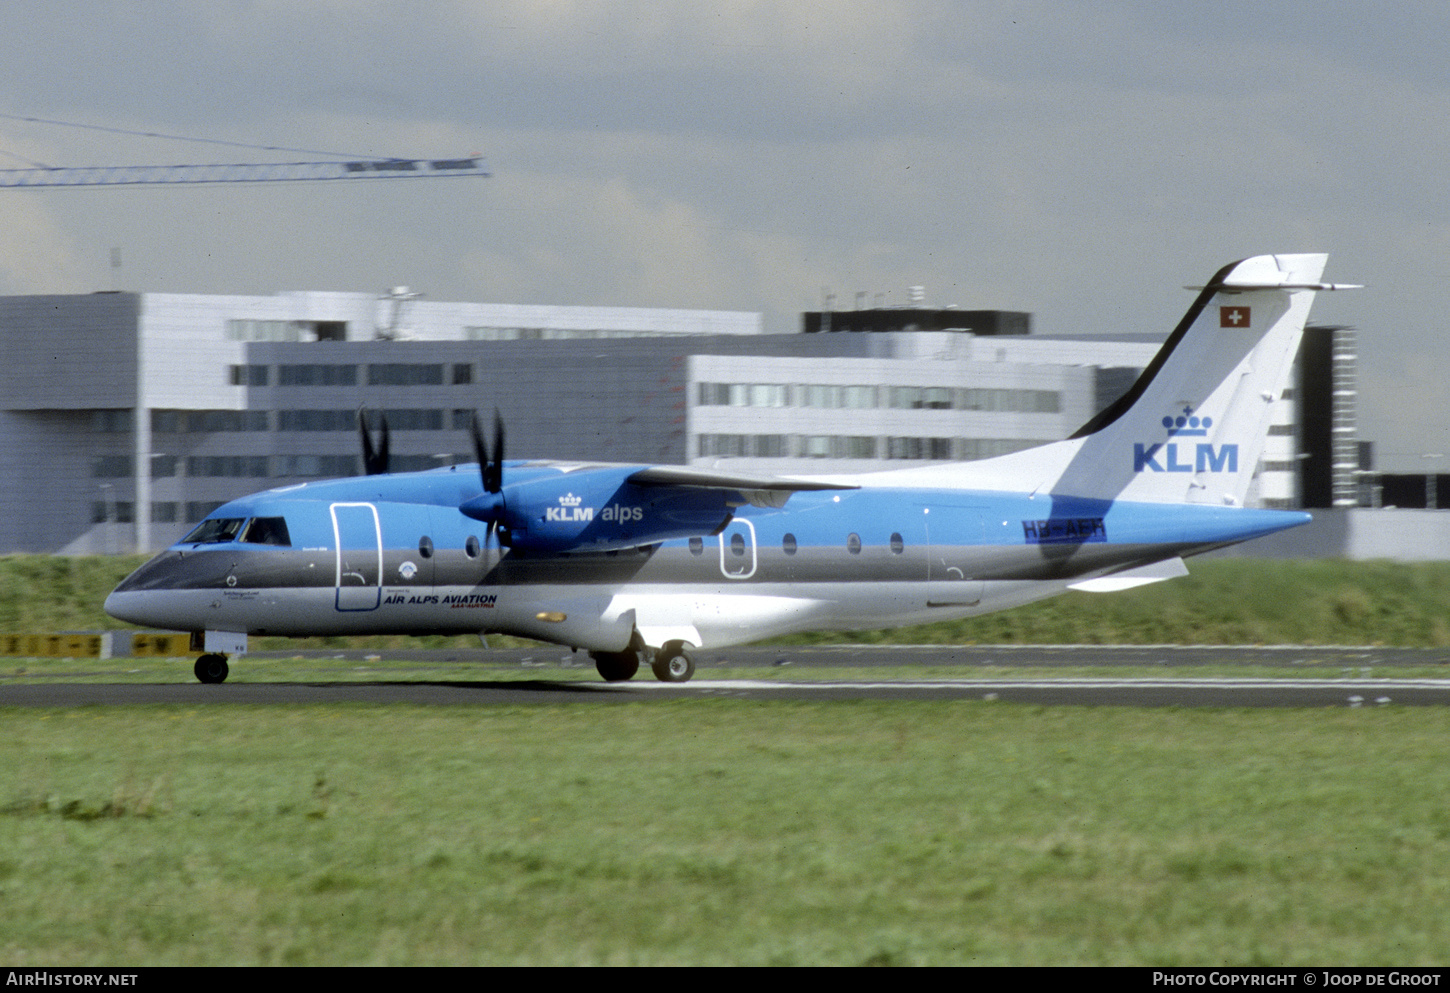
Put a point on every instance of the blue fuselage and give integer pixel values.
(397, 554)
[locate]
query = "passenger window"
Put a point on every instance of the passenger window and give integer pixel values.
(697, 546)
(425, 547)
(788, 545)
(896, 543)
(853, 543)
(737, 543)
(471, 547)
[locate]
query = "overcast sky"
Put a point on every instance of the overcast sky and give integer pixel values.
(1082, 161)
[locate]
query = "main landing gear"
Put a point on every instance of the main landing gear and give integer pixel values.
(671, 664)
(211, 668)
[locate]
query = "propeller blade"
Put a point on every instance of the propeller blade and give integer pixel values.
(375, 460)
(488, 506)
(491, 469)
(480, 448)
(493, 478)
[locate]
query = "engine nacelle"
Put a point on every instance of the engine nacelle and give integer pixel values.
(598, 510)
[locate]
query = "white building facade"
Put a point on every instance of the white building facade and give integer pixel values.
(125, 418)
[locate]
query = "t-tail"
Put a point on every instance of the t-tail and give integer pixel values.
(1193, 426)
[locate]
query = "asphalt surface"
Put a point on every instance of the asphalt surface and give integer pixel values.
(1311, 677)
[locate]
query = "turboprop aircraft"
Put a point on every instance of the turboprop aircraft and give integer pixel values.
(649, 563)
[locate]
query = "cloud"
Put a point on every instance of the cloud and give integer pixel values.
(36, 256)
(1079, 162)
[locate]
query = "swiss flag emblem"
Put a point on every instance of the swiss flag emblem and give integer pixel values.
(1233, 317)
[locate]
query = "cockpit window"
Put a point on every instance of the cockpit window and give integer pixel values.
(267, 531)
(214, 530)
(254, 531)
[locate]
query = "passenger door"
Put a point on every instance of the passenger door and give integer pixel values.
(358, 538)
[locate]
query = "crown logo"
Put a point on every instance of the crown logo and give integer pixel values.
(570, 500)
(1187, 424)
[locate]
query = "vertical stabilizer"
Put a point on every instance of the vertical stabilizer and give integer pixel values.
(1192, 428)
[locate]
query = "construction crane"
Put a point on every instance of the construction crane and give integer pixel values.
(350, 167)
(278, 172)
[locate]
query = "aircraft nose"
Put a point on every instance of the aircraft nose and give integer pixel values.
(122, 607)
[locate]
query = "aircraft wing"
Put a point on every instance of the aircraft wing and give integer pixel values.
(758, 491)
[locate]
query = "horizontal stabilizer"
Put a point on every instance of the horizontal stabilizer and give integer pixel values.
(1129, 578)
(1273, 272)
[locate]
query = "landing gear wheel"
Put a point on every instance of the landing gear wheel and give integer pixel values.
(616, 667)
(211, 668)
(673, 664)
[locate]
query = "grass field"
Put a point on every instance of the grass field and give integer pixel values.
(706, 832)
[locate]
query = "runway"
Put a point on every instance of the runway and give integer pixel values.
(1313, 677)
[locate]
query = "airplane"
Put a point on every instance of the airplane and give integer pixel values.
(650, 563)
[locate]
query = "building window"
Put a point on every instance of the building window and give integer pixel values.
(414, 419)
(462, 373)
(327, 466)
(329, 330)
(197, 510)
(113, 512)
(316, 420)
(168, 421)
(922, 397)
(110, 467)
(247, 330)
(212, 421)
(986, 448)
(227, 466)
(316, 375)
(404, 374)
(111, 421)
(250, 375)
(744, 395)
(1011, 401)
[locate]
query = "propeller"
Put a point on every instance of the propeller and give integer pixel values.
(488, 506)
(375, 460)
(491, 469)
